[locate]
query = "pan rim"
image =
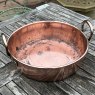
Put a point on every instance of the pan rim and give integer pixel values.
(36, 22)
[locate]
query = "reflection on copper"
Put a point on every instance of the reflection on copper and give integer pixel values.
(48, 51)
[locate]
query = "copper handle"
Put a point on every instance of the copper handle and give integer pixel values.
(91, 28)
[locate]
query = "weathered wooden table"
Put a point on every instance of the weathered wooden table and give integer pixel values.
(12, 82)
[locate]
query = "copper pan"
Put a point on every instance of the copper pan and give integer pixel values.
(48, 50)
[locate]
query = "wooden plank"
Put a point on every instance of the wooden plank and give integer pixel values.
(87, 81)
(8, 73)
(89, 63)
(88, 69)
(91, 52)
(5, 91)
(34, 17)
(40, 17)
(64, 17)
(93, 42)
(16, 89)
(53, 15)
(12, 20)
(4, 58)
(47, 15)
(90, 57)
(50, 88)
(26, 21)
(6, 30)
(1, 64)
(3, 49)
(80, 84)
(54, 6)
(70, 12)
(20, 23)
(16, 25)
(1, 41)
(92, 47)
(0, 32)
(11, 27)
(44, 16)
(85, 74)
(25, 86)
(66, 88)
(65, 14)
(38, 86)
(55, 89)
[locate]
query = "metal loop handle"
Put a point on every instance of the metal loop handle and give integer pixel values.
(91, 28)
(5, 43)
(4, 39)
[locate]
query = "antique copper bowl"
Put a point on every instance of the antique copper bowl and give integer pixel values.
(34, 45)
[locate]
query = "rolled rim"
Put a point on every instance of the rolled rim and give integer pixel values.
(51, 22)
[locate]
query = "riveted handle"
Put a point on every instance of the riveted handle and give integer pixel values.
(91, 28)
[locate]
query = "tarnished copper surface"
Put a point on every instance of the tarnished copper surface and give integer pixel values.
(47, 54)
(48, 50)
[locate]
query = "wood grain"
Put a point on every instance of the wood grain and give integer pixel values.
(8, 73)
(5, 91)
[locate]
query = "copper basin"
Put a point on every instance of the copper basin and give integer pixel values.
(48, 50)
